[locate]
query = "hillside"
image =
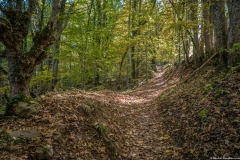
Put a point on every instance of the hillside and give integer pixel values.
(163, 119)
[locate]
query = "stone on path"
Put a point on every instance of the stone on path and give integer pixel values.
(25, 134)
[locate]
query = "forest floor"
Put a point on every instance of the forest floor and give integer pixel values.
(163, 119)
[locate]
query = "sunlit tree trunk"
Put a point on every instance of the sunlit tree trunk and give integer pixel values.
(194, 12)
(206, 26)
(57, 48)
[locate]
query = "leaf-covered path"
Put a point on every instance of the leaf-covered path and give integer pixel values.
(138, 120)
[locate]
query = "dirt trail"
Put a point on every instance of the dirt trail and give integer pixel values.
(139, 120)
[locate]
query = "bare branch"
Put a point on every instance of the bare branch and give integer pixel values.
(66, 22)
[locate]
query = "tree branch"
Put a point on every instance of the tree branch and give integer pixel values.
(55, 11)
(66, 22)
(200, 67)
(41, 57)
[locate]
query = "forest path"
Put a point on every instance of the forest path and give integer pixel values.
(139, 122)
(70, 123)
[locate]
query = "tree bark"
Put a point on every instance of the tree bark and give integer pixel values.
(57, 48)
(206, 27)
(219, 25)
(196, 51)
(234, 31)
(19, 75)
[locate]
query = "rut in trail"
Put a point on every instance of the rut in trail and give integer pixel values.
(140, 126)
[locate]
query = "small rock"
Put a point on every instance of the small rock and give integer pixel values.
(25, 134)
(44, 153)
(25, 109)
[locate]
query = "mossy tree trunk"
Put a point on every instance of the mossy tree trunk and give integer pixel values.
(234, 32)
(19, 73)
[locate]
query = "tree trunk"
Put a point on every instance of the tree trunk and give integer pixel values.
(219, 25)
(206, 27)
(234, 31)
(57, 48)
(55, 66)
(196, 52)
(19, 74)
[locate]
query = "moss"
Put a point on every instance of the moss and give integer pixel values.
(13, 101)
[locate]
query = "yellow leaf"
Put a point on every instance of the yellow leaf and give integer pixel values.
(163, 138)
(169, 151)
(191, 151)
(184, 107)
(89, 144)
(8, 130)
(140, 142)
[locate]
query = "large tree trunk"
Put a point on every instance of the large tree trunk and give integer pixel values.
(220, 27)
(234, 31)
(19, 74)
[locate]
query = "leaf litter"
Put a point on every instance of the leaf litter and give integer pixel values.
(188, 121)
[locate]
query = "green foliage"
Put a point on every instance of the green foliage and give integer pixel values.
(202, 113)
(235, 47)
(102, 130)
(2, 109)
(208, 88)
(219, 92)
(19, 140)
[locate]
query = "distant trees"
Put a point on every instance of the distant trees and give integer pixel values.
(110, 42)
(211, 28)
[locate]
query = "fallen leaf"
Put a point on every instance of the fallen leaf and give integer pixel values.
(8, 130)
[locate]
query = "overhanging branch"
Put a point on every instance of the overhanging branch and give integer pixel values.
(66, 22)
